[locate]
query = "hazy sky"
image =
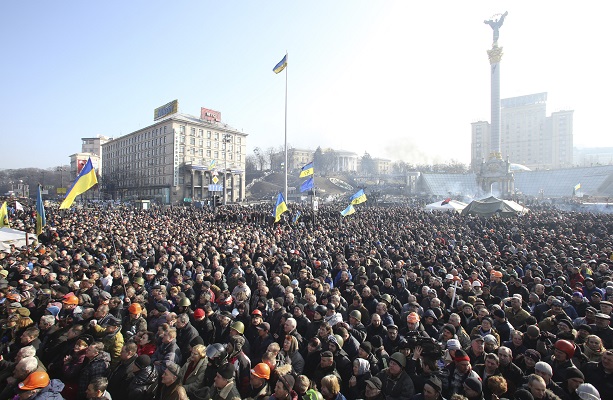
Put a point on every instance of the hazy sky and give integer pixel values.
(399, 79)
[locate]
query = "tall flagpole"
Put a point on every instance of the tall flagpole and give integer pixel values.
(314, 193)
(285, 187)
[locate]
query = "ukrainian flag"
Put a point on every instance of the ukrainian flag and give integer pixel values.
(280, 207)
(281, 65)
(306, 170)
(358, 198)
(296, 217)
(85, 180)
(577, 186)
(4, 216)
(211, 165)
(348, 211)
(41, 220)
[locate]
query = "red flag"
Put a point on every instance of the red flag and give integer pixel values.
(446, 201)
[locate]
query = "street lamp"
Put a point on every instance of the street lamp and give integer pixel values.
(227, 138)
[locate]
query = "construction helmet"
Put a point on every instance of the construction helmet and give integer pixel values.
(261, 370)
(139, 281)
(337, 340)
(312, 394)
(135, 308)
(565, 347)
(387, 298)
(355, 314)
(184, 302)
(71, 300)
(36, 380)
(400, 359)
(238, 327)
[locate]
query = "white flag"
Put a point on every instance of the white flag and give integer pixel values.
(18, 206)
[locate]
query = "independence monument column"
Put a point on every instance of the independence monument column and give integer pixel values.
(495, 170)
(495, 55)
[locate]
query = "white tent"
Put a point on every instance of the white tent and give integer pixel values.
(453, 205)
(14, 237)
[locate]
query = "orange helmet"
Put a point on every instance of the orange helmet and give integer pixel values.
(261, 370)
(135, 308)
(13, 297)
(36, 380)
(71, 299)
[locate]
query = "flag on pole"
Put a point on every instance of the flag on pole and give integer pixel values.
(446, 201)
(307, 170)
(41, 220)
(577, 186)
(211, 165)
(4, 216)
(296, 217)
(281, 65)
(307, 185)
(18, 206)
(85, 180)
(358, 198)
(348, 211)
(280, 207)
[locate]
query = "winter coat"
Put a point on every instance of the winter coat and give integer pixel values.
(144, 384)
(194, 380)
(164, 353)
(172, 392)
(97, 366)
(53, 391)
(396, 388)
(184, 337)
(119, 379)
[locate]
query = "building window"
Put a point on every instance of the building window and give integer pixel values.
(182, 129)
(199, 132)
(208, 153)
(193, 131)
(216, 135)
(208, 144)
(208, 134)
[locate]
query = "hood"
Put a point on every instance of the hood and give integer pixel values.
(52, 391)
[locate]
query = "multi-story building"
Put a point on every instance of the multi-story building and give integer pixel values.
(528, 136)
(179, 158)
(382, 165)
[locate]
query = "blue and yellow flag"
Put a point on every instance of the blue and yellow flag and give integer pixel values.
(85, 180)
(307, 185)
(577, 186)
(4, 216)
(281, 65)
(211, 165)
(348, 211)
(358, 198)
(280, 207)
(306, 170)
(41, 220)
(297, 217)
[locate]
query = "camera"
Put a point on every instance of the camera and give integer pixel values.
(430, 347)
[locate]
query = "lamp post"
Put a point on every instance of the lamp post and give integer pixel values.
(227, 138)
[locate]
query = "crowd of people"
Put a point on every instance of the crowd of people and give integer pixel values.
(390, 303)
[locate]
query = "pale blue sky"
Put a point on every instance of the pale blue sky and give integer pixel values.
(399, 79)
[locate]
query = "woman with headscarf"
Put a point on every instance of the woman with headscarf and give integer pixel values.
(292, 355)
(593, 348)
(357, 383)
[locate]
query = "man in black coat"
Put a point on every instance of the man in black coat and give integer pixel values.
(185, 334)
(121, 375)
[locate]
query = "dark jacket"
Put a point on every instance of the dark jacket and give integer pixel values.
(97, 366)
(184, 337)
(164, 353)
(144, 384)
(119, 379)
(396, 388)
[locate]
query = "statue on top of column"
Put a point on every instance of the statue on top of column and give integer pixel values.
(496, 24)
